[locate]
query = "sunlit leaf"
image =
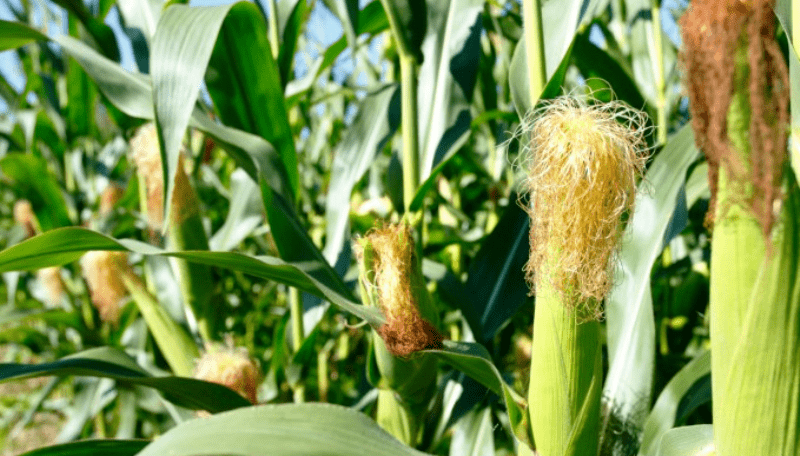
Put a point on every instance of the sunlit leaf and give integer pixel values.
(111, 363)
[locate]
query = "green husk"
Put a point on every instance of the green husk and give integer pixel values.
(566, 378)
(407, 383)
(755, 309)
(174, 342)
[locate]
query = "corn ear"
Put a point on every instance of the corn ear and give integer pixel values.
(565, 383)
(185, 230)
(755, 311)
(390, 279)
(756, 377)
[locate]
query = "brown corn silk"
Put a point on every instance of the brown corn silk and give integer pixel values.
(109, 198)
(712, 30)
(405, 330)
(582, 161)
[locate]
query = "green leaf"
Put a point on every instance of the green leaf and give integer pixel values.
(16, 34)
(408, 20)
(182, 47)
(82, 97)
(629, 307)
(518, 79)
(602, 71)
(174, 342)
(643, 61)
(560, 22)
(286, 429)
(473, 360)
(347, 12)
(54, 248)
(106, 447)
(132, 94)
(447, 77)
(141, 14)
(33, 181)
(102, 33)
(54, 317)
(61, 246)
(181, 52)
(783, 10)
(371, 20)
(473, 435)
(245, 213)
(244, 82)
(355, 153)
(129, 92)
(292, 30)
(697, 440)
(496, 282)
(452, 140)
(111, 363)
(665, 411)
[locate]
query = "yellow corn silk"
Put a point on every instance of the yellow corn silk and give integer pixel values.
(231, 367)
(102, 271)
(581, 163)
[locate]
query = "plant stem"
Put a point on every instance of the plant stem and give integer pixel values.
(658, 72)
(534, 47)
(296, 309)
(296, 316)
(274, 43)
(408, 81)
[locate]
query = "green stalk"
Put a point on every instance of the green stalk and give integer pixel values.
(174, 342)
(408, 81)
(658, 72)
(566, 384)
(407, 386)
(534, 48)
(194, 279)
(274, 42)
(296, 317)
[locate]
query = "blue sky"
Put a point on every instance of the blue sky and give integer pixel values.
(323, 28)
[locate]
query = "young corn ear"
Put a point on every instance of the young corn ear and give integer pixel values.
(102, 271)
(740, 123)
(581, 162)
(24, 216)
(400, 290)
(50, 278)
(109, 198)
(391, 280)
(185, 230)
(231, 367)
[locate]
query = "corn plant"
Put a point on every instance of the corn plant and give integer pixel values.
(398, 227)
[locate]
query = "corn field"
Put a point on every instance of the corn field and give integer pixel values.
(400, 227)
